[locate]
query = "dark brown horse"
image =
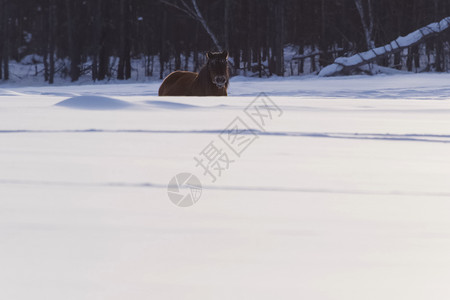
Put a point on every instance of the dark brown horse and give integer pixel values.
(212, 80)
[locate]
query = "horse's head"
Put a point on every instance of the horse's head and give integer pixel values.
(218, 68)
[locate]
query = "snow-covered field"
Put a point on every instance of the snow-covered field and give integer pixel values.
(346, 195)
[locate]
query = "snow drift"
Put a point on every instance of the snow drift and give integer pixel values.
(94, 102)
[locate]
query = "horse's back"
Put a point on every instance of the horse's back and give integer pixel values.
(177, 83)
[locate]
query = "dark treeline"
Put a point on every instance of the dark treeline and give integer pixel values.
(103, 37)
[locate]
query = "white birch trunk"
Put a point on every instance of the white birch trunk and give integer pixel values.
(205, 25)
(346, 64)
(195, 13)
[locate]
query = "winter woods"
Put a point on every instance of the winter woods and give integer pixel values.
(118, 38)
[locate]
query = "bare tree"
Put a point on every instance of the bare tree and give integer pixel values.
(367, 21)
(194, 12)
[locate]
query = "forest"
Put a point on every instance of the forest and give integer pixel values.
(106, 39)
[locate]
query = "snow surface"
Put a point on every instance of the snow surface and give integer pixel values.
(344, 196)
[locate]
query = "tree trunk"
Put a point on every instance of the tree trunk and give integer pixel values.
(124, 70)
(397, 61)
(416, 58)
(366, 21)
(45, 27)
(226, 17)
(301, 63)
(409, 60)
(51, 40)
(186, 60)
(177, 58)
(438, 61)
(279, 45)
(162, 49)
(122, 40)
(5, 39)
(96, 37)
(73, 47)
(325, 57)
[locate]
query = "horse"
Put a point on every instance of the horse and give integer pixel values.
(212, 80)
